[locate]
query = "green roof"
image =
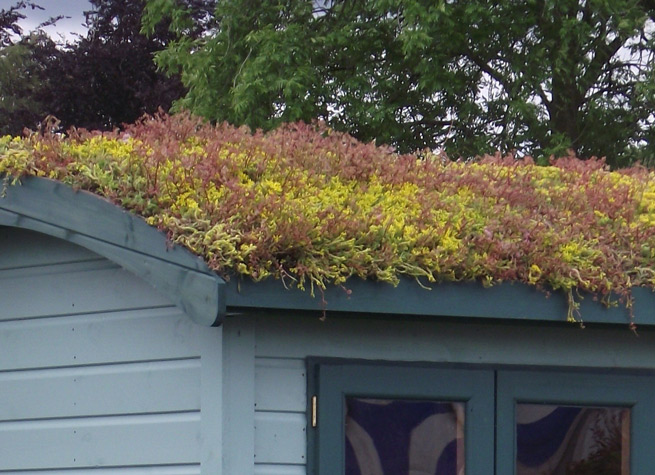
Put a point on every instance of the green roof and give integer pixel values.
(311, 208)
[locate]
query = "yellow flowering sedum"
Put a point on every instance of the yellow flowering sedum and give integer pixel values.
(309, 205)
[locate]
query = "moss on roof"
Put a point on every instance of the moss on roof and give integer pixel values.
(314, 207)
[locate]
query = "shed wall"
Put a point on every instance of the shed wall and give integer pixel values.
(97, 370)
(272, 351)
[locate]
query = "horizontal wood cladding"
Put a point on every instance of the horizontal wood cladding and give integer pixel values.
(457, 342)
(41, 276)
(267, 469)
(280, 384)
(280, 421)
(280, 438)
(98, 372)
(65, 289)
(117, 389)
(24, 249)
(99, 338)
(177, 469)
(97, 441)
(99, 390)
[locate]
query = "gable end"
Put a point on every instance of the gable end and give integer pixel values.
(82, 218)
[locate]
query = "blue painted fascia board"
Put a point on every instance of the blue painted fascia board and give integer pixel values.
(85, 219)
(450, 299)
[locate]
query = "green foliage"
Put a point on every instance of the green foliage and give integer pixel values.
(309, 205)
(540, 77)
(20, 88)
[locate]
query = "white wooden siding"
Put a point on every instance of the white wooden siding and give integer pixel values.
(98, 372)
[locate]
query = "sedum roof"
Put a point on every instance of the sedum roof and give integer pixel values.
(313, 207)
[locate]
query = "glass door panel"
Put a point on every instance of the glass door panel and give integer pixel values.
(569, 423)
(383, 419)
(572, 440)
(386, 436)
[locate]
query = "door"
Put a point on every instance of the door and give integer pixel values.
(381, 418)
(574, 423)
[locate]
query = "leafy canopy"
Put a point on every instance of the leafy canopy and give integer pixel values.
(468, 76)
(309, 205)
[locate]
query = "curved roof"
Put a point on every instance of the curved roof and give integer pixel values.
(87, 220)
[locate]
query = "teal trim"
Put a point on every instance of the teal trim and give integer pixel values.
(581, 389)
(448, 299)
(333, 380)
(89, 221)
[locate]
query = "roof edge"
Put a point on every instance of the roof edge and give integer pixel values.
(82, 218)
(469, 299)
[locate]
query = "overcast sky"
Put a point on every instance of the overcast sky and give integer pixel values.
(70, 8)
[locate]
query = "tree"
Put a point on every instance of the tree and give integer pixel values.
(19, 83)
(9, 18)
(9, 23)
(108, 77)
(20, 73)
(100, 81)
(539, 76)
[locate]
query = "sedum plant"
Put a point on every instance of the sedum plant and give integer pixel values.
(314, 207)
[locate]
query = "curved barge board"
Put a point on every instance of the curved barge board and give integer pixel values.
(85, 219)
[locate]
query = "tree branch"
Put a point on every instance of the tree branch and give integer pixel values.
(480, 63)
(599, 62)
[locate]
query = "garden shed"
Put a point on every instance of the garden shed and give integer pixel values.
(122, 353)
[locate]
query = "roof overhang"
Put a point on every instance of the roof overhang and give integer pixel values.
(85, 219)
(503, 301)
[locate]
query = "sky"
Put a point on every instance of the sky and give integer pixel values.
(70, 8)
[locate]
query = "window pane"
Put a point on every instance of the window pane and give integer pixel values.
(572, 440)
(385, 436)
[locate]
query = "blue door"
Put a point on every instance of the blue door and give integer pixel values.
(380, 418)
